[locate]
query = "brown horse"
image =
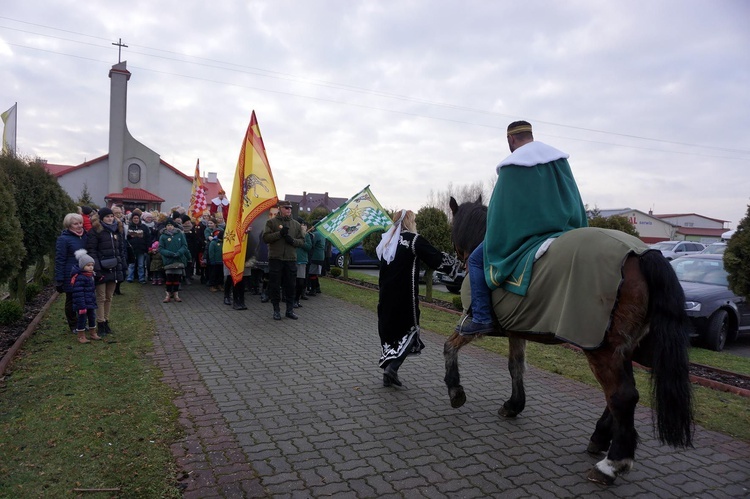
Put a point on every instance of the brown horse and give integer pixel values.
(648, 325)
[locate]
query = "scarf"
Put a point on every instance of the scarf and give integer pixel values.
(77, 233)
(386, 250)
(111, 227)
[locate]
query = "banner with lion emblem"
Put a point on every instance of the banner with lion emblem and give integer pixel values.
(253, 193)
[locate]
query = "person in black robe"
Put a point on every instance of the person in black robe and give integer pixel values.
(400, 251)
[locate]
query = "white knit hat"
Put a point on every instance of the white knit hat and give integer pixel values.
(83, 258)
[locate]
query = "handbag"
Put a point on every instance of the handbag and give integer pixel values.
(175, 265)
(108, 263)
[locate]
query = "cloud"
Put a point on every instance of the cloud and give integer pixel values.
(649, 98)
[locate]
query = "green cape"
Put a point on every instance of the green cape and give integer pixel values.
(529, 205)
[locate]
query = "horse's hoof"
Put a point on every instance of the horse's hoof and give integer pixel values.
(507, 413)
(597, 476)
(458, 397)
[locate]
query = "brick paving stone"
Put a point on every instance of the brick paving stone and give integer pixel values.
(297, 409)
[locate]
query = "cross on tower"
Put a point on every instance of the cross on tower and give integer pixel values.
(120, 45)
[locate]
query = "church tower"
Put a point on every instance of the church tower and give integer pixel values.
(118, 103)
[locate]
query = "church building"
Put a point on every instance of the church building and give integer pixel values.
(131, 174)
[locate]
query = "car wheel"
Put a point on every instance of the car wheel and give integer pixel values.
(340, 261)
(453, 289)
(718, 330)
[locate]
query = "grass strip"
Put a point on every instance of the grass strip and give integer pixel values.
(718, 411)
(88, 416)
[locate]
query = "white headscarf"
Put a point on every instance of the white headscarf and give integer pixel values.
(389, 241)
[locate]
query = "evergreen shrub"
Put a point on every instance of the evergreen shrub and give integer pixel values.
(10, 312)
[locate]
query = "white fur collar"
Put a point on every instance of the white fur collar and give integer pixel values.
(532, 154)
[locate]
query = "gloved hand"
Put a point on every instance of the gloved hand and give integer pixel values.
(284, 231)
(59, 288)
(82, 311)
(289, 239)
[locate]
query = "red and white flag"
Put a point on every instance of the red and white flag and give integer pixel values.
(198, 202)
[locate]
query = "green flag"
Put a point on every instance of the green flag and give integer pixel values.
(352, 221)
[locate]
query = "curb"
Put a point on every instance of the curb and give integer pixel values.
(6, 360)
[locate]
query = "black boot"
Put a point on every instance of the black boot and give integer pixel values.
(276, 313)
(101, 330)
(107, 328)
(238, 295)
(290, 312)
(390, 372)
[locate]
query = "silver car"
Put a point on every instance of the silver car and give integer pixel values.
(673, 249)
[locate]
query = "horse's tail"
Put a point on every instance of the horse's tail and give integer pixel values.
(671, 393)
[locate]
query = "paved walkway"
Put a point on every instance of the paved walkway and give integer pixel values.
(297, 409)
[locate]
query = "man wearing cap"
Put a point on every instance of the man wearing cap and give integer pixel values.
(535, 200)
(283, 235)
(220, 202)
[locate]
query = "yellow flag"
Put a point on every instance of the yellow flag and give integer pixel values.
(253, 193)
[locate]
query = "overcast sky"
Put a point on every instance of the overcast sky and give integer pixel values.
(651, 99)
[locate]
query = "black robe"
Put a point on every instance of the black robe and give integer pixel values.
(398, 307)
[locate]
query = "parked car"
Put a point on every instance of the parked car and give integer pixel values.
(717, 315)
(357, 258)
(715, 249)
(673, 249)
(452, 283)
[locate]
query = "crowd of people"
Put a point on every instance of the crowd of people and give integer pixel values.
(97, 251)
(175, 251)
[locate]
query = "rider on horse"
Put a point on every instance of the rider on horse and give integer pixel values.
(534, 201)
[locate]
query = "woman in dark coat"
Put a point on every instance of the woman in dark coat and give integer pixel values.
(72, 238)
(400, 251)
(106, 245)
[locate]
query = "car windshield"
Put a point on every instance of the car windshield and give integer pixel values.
(715, 249)
(665, 246)
(700, 270)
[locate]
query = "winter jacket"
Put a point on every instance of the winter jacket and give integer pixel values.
(103, 244)
(173, 247)
(65, 247)
(215, 252)
(318, 256)
(195, 242)
(84, 289)
(278, 248)
(139, 237)
(302, 251)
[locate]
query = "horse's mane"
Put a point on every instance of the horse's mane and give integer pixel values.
(469, 224)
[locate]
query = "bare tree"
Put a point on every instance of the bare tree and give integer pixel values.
(461, 193)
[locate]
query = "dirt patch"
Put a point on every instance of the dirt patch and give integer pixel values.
(11, 332)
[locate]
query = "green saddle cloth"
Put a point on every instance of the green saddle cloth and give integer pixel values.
(573, 289)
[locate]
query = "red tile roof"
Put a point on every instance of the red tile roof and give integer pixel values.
(130, 194)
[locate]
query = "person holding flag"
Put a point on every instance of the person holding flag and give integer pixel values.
(253, 193)
(284, 235)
